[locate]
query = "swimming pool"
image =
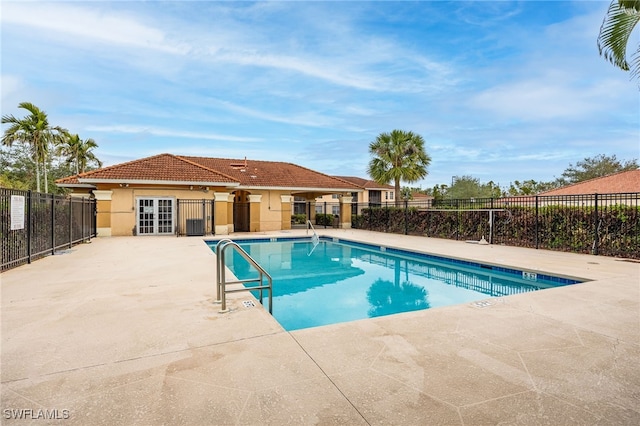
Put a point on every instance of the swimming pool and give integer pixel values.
(340, 280)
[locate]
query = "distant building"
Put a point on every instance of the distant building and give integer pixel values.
(617, 183)
(617, 188)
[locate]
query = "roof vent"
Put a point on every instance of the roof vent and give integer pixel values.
(240, 166)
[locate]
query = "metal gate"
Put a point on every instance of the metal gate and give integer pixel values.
(195, 218)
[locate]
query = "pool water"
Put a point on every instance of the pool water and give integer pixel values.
(339, 281)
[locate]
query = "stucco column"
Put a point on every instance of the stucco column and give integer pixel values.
(285, 202)
(222, 201)
(103, 212)
(345, 212)
(254, 212)
(231, 226)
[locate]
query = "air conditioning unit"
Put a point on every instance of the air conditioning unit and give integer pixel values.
(195, 227)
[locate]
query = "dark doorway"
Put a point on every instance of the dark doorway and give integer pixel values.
(241, 216)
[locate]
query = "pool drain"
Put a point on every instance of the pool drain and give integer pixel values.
(248, 303)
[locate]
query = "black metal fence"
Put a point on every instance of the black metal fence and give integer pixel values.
(195, 217)
(34, 225)
(604, 224)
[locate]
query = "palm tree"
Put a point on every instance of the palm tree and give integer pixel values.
(398, 155)
(79, 151)
(34, 129)
(616, 29)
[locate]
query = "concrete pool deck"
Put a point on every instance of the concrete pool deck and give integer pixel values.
(124, 331)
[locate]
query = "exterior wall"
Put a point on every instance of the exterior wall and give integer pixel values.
(345, 212)
(103, 213)
(117, 216)
(328, 198)
(271, 210)
(255, 221)
(286, 201)
(363, 197)
(223, 201)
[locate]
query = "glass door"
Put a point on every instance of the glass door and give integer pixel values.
(155, 216)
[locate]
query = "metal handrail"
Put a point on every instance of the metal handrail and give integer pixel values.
(221, 281)
(315, 240)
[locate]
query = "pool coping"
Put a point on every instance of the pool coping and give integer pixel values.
(125, 331)
(558, 279)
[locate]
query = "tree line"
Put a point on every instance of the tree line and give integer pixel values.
(40, 151)
(399, 156)
(463, 187)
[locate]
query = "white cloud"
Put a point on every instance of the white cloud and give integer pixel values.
(84, 25)
(156, 131)
(309, 119)
(11, 85)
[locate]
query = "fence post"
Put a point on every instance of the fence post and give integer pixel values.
(536, 227)
(324, 211)
(29, 198)
(204, 217)
(53, 225)
(70, 222)
(457, 219)
(178, 208)
(213, 217)
(94, 217)
(82, 219)
(596, 233)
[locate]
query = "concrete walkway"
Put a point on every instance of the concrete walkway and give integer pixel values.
(124, 331)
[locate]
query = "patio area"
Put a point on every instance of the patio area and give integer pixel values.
(125, 331)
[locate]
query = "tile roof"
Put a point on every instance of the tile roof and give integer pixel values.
(420, 196)
(211, 171)
(162, 167)
(365, 183)
(618, 183)
(256, 173)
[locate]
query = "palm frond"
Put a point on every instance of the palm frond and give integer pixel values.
(616, 29)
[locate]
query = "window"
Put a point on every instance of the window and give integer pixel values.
(335, 210)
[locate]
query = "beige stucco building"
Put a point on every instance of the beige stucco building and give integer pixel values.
(167, 194)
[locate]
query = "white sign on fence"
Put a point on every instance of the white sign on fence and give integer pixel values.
(17, 212)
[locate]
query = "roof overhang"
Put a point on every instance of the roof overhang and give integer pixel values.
(76, 185)
(295, 190)
(158, 182)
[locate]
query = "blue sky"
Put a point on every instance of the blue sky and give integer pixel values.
(499, 90)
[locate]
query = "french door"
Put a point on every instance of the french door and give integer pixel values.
(155, 216)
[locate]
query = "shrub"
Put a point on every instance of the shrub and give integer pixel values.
(299, 218)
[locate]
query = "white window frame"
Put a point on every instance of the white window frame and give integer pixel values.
(156, 220)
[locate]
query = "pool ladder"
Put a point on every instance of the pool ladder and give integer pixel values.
(315, 240)
(221, 276)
